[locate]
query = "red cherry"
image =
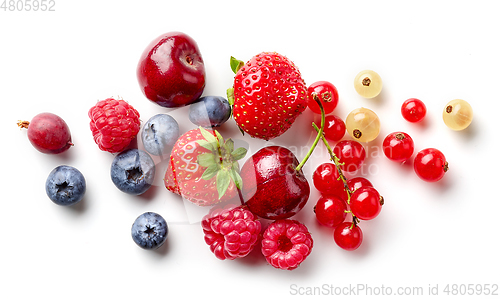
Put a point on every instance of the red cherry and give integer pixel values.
(48, 133)
(326, 179)
(430, 165)
(358, 182)
(413, 110)
(398, 146)
(351, 153)
(273, 189)
(171, 71)
(334, 129)
(348, 236)
(366, 203)
(327, 94)
(330, 210)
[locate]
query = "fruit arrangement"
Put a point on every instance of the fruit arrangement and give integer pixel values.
(253, 203)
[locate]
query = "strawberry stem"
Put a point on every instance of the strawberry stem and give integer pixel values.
(320, 133)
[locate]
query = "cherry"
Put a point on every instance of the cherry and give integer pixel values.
(171, 71)
(334, 129)
(413, 110)
(48, 133)
(327, 94)
(398, 146)
(430, 165)
(358, 182)
(366, 203)
(330, 210)
(348, 236)
(326, 179)
(351, 153)
(273, 188)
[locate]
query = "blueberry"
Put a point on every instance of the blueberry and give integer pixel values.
(65, 185)
(149, 230)
(158, 133)
(133, 171)
(209, 111)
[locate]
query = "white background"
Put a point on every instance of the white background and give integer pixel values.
(428, 234)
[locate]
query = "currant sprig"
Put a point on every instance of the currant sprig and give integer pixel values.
(337, 163)
(318, 136)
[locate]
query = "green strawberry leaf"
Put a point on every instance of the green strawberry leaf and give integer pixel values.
(239, 153)
(223, 181)
(230, 96)
(236, 64)
(206, 159)
(208, 145)
(210, 172)
(235, 176)
(229, 145)
(208, 136)
(219, 137)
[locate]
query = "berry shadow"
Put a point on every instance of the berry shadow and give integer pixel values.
(81, 206)
(469, 133)
(150, 193)
(380, 99)
(444, 184)
(164, 249)
(254, 258)
(323, 229)
(424, 124)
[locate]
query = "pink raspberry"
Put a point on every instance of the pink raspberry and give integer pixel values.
(231, 232)
(114, 123)
(286, 243)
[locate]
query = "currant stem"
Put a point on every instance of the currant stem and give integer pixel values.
(337, 163)
(320, 133)
(355, 221)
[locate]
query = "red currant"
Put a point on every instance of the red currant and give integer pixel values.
(398, 146)
(330, 210)
(326, 179)
(366, 203)
(48, 133)
(348, 236)
(351, 153)
(358, 182)
(413, 110)
(334, 129)
(430, 164)
(327, 94)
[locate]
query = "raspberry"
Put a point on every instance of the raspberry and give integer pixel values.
(114, 123)
(286, 243)
(231, 232)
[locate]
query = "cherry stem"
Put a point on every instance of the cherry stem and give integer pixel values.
(337, 163)
(320, 133)
(240, 195)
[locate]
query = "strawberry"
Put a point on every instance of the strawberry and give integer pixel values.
(268, 93)
(204, 168)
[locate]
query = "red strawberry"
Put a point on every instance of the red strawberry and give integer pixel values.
(203, 168)
(269, 94)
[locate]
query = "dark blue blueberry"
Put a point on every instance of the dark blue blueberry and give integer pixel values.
(159, 133)
(133, 171)
(149, 230)
(209, 111)
(65, 185)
